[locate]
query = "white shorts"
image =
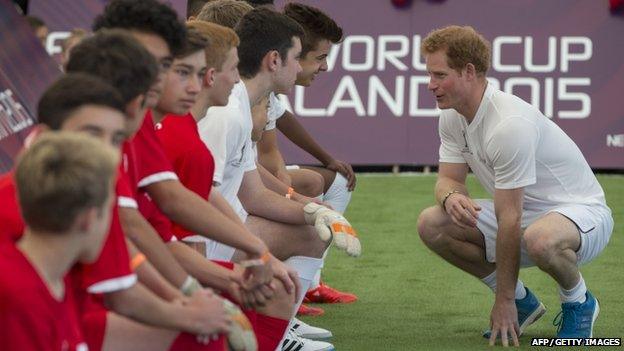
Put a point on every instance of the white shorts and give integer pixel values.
(595, 225)
(214, 250)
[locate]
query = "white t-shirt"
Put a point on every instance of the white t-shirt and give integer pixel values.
(226, 131)
(510, 144)
(275, 110)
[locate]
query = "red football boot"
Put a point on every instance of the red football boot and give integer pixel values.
(326, 294)
(305, 310)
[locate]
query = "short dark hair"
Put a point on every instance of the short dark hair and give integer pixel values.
(258, 3)
(118, 58)
(194, 42)
(149, 16)
(71, 92)
(260, 31)
(35, 22)
(315, 23)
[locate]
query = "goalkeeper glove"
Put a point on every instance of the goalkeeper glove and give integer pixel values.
(329, 223)
(241, 336)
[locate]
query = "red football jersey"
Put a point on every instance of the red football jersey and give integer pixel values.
(191, 159)
(12, 225)
(149, 162)
(111, 271)
(157, 219)
(30, 317)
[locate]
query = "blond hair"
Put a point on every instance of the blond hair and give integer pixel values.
(224, 12)
(463, 45)
(61, 175)
(222, 40)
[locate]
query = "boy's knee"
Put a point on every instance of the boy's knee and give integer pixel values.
(309, 183)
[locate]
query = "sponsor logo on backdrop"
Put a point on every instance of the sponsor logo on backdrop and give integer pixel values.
(13, 117)
(54, 42)
(548, 76)
(615, 140)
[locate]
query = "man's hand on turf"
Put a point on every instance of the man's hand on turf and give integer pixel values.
(345, 169)
(504, 322)
(463, 210)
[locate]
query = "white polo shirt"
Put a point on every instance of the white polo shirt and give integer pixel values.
(510, 144)
(226, 131)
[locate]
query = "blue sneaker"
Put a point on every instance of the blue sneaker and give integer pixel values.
(530, 309)
(576, 320)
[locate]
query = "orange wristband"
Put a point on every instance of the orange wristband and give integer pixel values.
(137, 260)
(265, 257)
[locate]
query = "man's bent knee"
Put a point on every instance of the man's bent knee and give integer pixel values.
(549, 237)
(429, 223)
(540, 246)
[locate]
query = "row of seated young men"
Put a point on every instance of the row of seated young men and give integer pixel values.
(117, 260)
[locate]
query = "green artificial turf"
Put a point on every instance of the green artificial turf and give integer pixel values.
(410, 299)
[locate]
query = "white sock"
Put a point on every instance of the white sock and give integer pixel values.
(490, 281)
(576, 294)
(306, 268)
(316, 282)
(338, 196)
(520, 290)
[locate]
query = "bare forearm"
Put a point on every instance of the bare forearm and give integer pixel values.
(150, 277)
(200, 217)
(508, 255)
(295, 132)
(271, 182)
(221, 204)
(141, 233)
(154, 281)
(208, 273)
(269, 155)
(270, 205)
(141, 305)
(444, 185)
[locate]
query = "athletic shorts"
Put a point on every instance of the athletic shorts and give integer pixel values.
(214, 250)
(595, 225)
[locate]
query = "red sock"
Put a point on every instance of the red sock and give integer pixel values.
(188, 342)
(269, 331)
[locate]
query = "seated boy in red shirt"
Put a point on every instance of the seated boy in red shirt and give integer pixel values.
(65, 188)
